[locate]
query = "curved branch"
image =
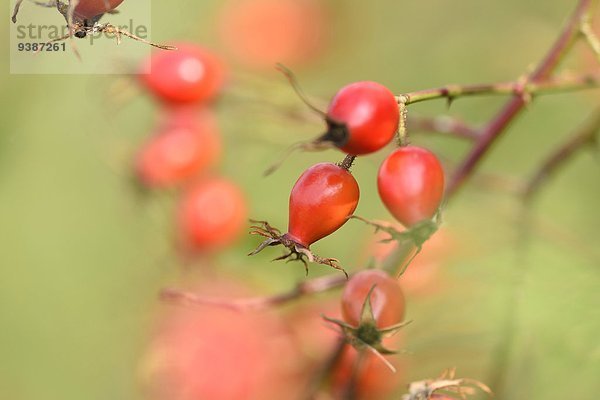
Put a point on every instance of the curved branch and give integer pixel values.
(513, 108)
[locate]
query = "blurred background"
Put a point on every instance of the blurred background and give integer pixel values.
(83, 255)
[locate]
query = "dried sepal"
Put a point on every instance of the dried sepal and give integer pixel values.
(296, 251)
(446, 385)
(367, 336)
(417, 234)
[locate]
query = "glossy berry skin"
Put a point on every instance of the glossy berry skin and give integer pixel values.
(191, 74)
(186, 144)
(411, 184)
(387, 299)
(363, 117)
(321, 201)
(212, 214)
(88, 9)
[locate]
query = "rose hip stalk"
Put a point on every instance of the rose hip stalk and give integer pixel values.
(322, 200)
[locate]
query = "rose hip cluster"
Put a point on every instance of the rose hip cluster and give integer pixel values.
(362, 118)
(186, 359)
(186, 147)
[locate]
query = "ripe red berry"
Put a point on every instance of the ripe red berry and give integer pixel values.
(88, 9)
(411, 184)
(387, 300)
(321, 201)
(212, 214)
(191, 74)
(362, 118)
(187, 142)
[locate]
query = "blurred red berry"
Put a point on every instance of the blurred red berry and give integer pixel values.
(387, 300)
(207, 352)
(321, 201)
(313, 334)
(191, 74)
(212, 214)
(260, 33)
(411, 184)
(186, 143)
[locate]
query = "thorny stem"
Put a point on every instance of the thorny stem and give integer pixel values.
(524, 89)
(489, 134)
(513, 107)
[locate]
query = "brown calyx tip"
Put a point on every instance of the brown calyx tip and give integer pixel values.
(337, 133)
(296, 251)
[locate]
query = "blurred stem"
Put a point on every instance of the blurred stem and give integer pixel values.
(584, 137)
(497, 379)
(396, 262)
(304, 288)
(326, 369)
(443, 124)
(489, 134)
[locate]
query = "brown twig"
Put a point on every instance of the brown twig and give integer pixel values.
(524, 88)
(513, 107)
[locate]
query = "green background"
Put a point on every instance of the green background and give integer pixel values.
(82, 258)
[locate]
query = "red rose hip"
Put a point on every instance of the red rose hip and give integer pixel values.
(411, 184)
(186, 144)
(322, 200)
(212, 214)
(362, 118)
(387, 300)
